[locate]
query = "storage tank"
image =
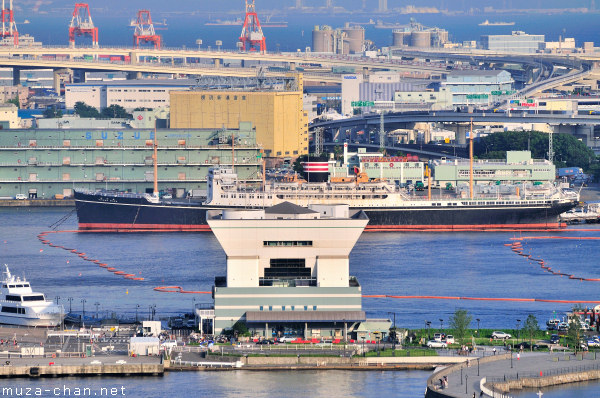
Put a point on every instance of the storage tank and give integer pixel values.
(439, 37)
(420, 39)
(400, 38)
(322, 39)
(355, 39)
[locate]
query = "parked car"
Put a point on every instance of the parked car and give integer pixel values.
(450, 339)
(438, 336)
(20, 196)
(287, 339)
(265, 342)
(555, 339)
(497, 335)
(436, 344)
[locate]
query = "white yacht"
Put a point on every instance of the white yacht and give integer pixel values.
(24, 307)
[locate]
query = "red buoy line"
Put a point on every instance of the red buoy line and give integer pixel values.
(42, 237)
(517, 247)
(480, 299)
(177, 289)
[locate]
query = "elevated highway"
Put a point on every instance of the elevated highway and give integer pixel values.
(199, 62)
(584, 127)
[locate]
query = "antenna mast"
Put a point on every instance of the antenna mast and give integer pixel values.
(155, 162)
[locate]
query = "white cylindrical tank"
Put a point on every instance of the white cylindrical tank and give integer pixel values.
(355, 39)
(420, 39)
(322, 39)
(400, 38)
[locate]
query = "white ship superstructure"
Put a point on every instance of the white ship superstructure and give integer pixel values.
(20, 305)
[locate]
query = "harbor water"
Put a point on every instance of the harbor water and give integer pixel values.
(474, 265)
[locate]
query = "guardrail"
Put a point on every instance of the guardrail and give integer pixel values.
(545, 373)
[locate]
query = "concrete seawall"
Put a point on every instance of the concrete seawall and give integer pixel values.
(37, 203)
(547, 381)
(82, 370)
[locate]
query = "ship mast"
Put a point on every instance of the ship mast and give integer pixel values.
(471, 160)
(155, 163)
(232, 152)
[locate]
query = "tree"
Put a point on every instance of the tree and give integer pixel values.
(574, 331)
(14, 101)
(459, 322)
(52, 112)
(84, 110)
(568, 150)
(530, 328)
(115, 111)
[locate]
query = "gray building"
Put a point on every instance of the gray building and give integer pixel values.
(517, 42)
(518, 167)
(47, 163)
(37, 78)
(478, 87)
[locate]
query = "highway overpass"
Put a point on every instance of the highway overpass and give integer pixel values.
(583, 126)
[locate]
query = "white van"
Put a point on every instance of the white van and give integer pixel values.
(20, 196)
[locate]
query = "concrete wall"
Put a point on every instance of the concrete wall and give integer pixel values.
(242, 271)
(332, 272)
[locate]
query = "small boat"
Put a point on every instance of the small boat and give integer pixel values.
(488, 23)
(22, 306)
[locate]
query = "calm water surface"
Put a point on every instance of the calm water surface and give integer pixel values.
(441, 264)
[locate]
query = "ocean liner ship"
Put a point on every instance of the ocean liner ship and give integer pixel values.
(389, 207)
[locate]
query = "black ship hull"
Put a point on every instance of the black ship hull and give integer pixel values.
(106, 213)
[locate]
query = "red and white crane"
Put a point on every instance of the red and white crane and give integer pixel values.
(82, 25)
(252, 37)
(144, 30)
(9, 27)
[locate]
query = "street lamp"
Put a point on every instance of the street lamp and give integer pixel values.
(57, 298)
(427, 325)
(363, 350)
(136, 312)
(83, 301)
(478, 326)
(97, 304)
(70, 300)
(518, 330)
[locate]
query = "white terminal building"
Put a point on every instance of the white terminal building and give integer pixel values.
(288, 271)
(130, 94)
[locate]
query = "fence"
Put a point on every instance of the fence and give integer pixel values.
(545, 373)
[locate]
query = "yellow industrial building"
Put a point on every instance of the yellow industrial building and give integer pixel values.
(280, 121)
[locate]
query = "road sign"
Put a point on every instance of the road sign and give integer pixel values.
(362, 103)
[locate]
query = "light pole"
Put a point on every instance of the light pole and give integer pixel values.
(395, 335)
(83, 301)
(57, 298)
(97, 304)
(427, 325)
(136, 312)
(518, 330)
(199, 43)
(477, 326)
(363, 350)
(70, 300)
